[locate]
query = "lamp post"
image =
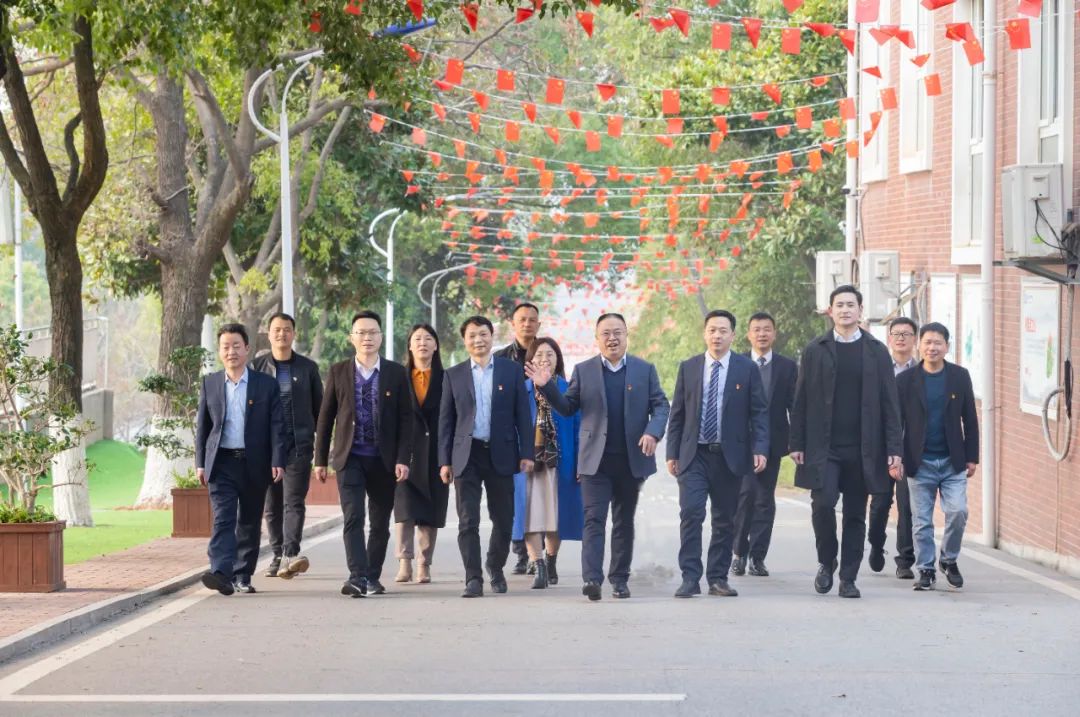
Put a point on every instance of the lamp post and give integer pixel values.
(437, 276)
(282, 139)
(388, 253)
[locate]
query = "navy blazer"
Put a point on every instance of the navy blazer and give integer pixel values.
(744, 420)
(265, 437)
(511, 422)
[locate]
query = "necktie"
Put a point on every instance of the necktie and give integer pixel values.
(761, 361)
(711, 415)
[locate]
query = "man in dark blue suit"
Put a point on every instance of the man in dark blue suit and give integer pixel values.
(485, 437)
(717, 433)
(240, 447)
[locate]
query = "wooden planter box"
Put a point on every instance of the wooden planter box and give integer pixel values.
(191, 514)
(323, 493)
(32, 557)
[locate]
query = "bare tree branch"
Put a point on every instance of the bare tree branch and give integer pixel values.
(324, 155)
(304, 124)
(95, 153)
(73, 156)
(50, 65)
(201, 91)
(233, 262)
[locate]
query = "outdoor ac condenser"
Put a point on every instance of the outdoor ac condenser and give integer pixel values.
(833, 268)
(1032, 210)
(879, 281)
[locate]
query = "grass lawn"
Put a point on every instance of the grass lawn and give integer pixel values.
(787, 473)
(115, 477)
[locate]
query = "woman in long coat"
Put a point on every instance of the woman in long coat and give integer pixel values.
(547, 500)
(420, 502)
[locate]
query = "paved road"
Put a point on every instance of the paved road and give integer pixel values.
(1008, 644)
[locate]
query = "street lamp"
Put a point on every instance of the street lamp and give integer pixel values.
(388, 253)
(282, 139)
(438, 276)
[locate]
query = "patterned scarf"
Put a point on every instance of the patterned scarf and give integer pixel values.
(546, 444)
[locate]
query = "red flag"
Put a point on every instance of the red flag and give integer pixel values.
(513, 131)
(974, 52)
(316, 22)
(459, 148)
(935, 4)
(714, 141)
(670, 102)
(575, 117)
(752, 25)
(874, 71)
(831, 127)
(804, 117)
(721, 124)
(933, 85)
(1019, 32)
(592, 141)
(721, 36)
(414, 56)
(455, 69)
(682, 20)
(1031, 8)
(419, 136)
(481, 100)
(823, 29)
(867, 11)
(439, 111)
(814, 160)
(377, 123)
(959, 31)
(783, 130)
(417, 7)
(819, 81)
(847, 37)
(721, 96)
(791, 40)
(353, 7)
(530, 110)
(793, 5)
(675, 125)
(853, 149)
(470, 11)
(847, 108)
(474, 120)
(784, 163)
(666, 141)
(555, 88)
(920, 60)
(585, 19)
(606, 91)
(772, 90)
(505, 80)
(888, 98)
(614, 126)
(523, 14)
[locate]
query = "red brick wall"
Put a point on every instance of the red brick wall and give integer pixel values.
(1038, 498)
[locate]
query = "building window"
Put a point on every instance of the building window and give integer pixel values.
(874, 164)
(968, 154)
(916, 107)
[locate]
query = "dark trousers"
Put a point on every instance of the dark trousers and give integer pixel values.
(236, 497)
(880, 504)
(366, 476)
(284, 510)
(756, 512)
(479, 476)
(707, 478)
(615, 486)
(842, 475)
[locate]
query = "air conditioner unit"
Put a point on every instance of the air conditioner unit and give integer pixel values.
(1032, 210)
(879, 281)
(833, 270)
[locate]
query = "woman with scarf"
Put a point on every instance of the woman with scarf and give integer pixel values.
(547, 500)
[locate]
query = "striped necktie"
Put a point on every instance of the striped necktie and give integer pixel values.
(708, 430)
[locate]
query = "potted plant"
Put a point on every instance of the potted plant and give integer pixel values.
(36, 424)
(174, 435)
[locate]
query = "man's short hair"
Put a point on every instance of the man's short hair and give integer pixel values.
(611, 315)
(367, 314)
(524, 305)
(845, 289)
(761, 316)
(721, 314)
(476, 321)
(936, 328)
(233, 329)
(902, 320)
(284, 317)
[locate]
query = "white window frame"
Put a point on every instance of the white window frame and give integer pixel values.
(916, 107)
(874, 157)
(1031, 129)
(965, 145)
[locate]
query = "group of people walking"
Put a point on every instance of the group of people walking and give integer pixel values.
(555, 456)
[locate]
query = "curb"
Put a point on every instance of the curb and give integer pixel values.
(89, 616)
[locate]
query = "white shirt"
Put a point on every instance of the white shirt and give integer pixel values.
(756, 356)
(483, 377)
(899, 368)
(367, 373)
(721, 381)
(613, 367)
(841, 340)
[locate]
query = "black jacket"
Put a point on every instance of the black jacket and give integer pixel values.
(265, 441)
(811, 419)
(961, 419)
(781, 393)
(423, 497)
(307, 396)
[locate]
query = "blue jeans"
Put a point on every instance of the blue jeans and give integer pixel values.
(937, 475)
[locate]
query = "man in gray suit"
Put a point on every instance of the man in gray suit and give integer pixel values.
(623, 415)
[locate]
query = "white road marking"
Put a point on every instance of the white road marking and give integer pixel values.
(357, 697)
(20, 679)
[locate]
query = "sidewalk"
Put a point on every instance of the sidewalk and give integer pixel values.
(100, 588)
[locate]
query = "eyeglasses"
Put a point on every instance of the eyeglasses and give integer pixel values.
(901, 334)
(367, 334)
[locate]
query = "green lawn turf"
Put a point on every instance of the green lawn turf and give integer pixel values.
(115, 477)
(786, 478)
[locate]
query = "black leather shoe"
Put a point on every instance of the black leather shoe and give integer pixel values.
(823, 581)
(474, 589)
(620, 591)
(375, 587)
(272, 568)
(591, 590)
(522, 565)
(877, 559)
(354, 588)
(689, 588)
(243, 584)
(904, 572)
(757, 567)
(738, 565)
(498, 584)
(218, 581)
(848, 589)
(721, 588)
(553, 575)
(541, 580)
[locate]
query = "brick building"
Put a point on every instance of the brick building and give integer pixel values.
(920, 195)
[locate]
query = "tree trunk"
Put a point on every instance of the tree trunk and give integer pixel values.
(159, 478)
(71, 492)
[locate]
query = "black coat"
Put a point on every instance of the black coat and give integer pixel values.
(811, 419)
(781, 394)
(961, 418)
(307, 398)
(423, 497)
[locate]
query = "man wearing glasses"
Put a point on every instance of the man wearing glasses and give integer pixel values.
(902, 332)
(366, 411)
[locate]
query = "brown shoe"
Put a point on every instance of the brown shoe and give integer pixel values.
(722, 589)
(404, 573)
(291, 567)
